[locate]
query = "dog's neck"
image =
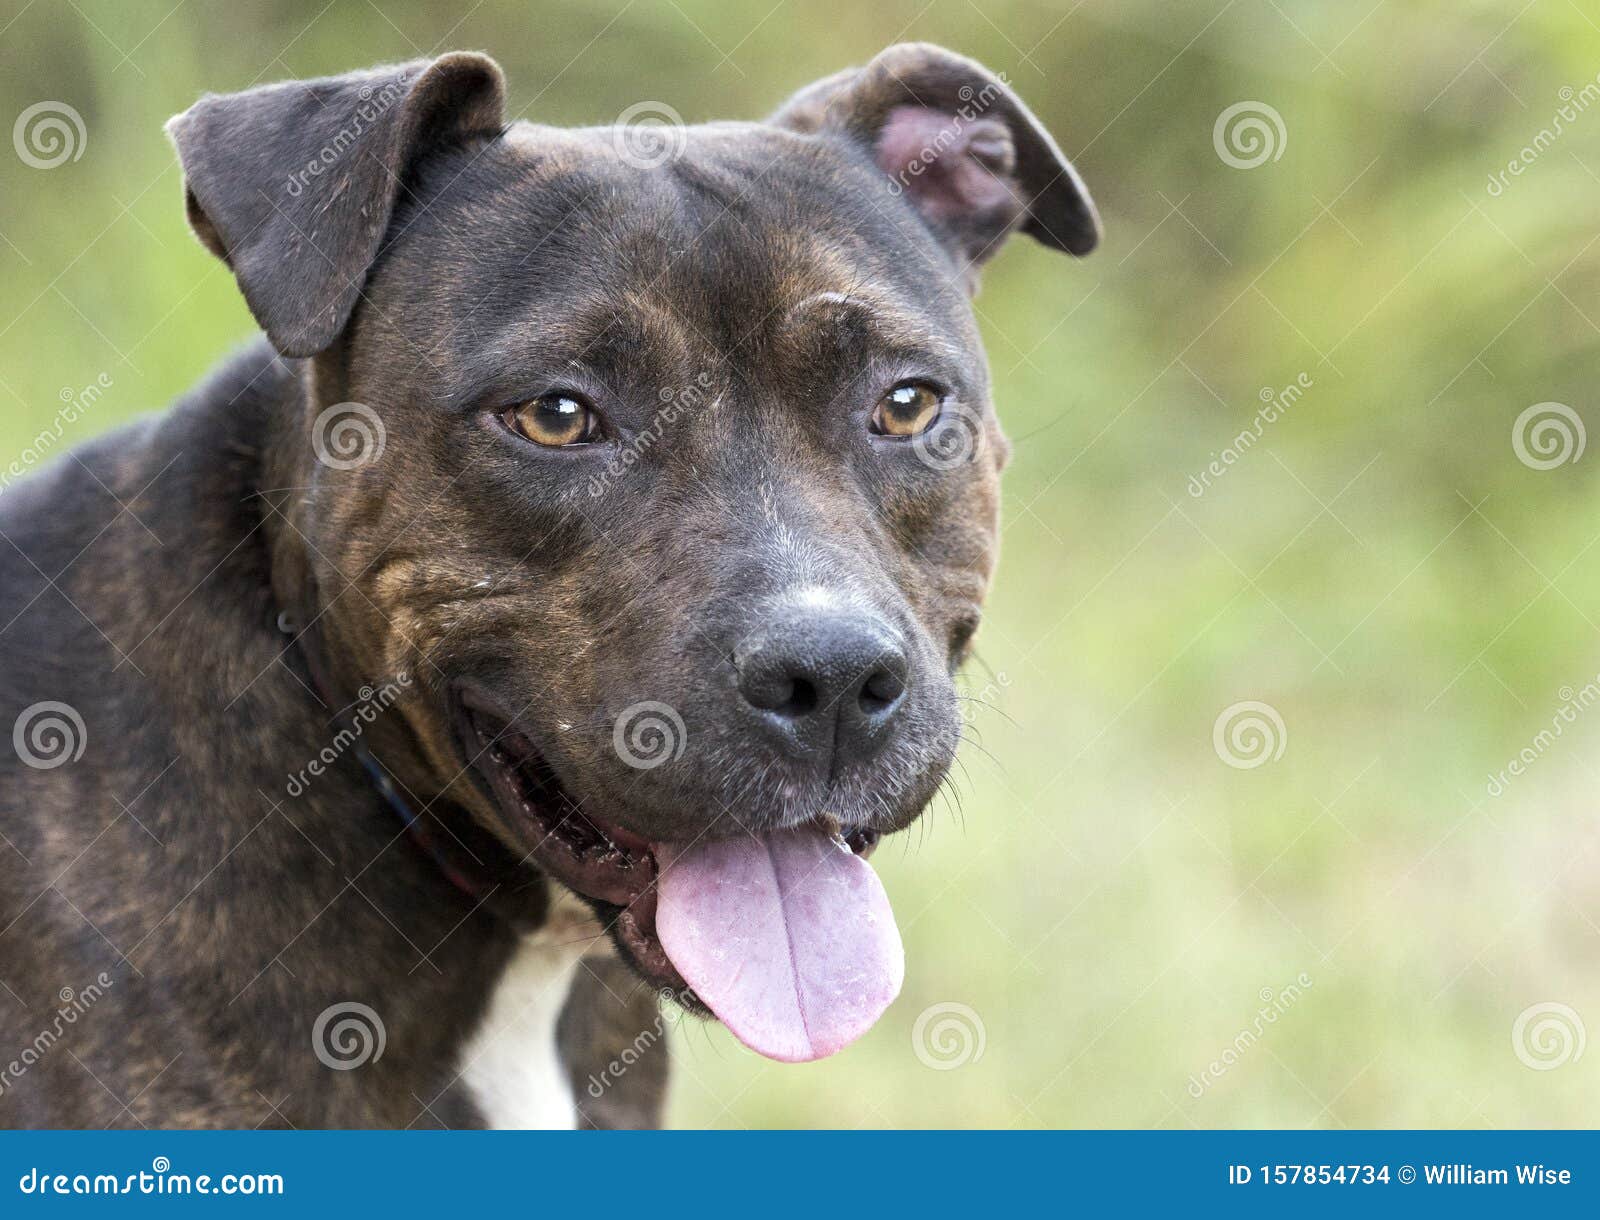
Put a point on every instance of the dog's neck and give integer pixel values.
(471, 860)
(241, 893)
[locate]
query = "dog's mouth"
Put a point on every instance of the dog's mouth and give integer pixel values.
(785, 936)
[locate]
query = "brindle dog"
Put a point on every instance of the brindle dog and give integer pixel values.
(591, 495)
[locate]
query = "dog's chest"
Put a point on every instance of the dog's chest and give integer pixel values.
(510, 1065)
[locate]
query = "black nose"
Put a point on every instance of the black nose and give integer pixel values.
(824, 681)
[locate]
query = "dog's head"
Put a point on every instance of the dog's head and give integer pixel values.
(674, 477)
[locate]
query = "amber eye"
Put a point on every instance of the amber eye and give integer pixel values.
(908, 409)
(555, 419)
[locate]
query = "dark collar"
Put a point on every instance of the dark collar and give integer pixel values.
(470, 858)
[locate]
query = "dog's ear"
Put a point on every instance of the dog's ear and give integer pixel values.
(293, 185)
(958, 144)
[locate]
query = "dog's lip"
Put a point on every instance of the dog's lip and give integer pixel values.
(611, 867)
(607, 864)
(489, 735)
(598, 860)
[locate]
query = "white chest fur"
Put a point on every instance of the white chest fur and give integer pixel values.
(510, 1065)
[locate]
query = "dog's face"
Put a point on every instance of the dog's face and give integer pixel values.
(688, 445)
(688, 493)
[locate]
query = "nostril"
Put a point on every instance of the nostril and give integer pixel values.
(779, 689)
(802, 700)
(824, 683)
(881, 691)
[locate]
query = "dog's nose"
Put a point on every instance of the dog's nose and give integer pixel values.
(825, 680)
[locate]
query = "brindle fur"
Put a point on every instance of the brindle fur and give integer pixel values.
(441, 264)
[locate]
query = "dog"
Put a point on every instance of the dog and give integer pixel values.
(545, 617)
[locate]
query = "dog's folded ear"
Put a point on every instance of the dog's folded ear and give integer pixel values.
(958, 144)
(293, 185)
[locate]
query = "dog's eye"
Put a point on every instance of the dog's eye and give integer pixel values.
(556, 419)
(907, 409)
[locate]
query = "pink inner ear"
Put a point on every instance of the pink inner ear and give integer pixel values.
(951, 167)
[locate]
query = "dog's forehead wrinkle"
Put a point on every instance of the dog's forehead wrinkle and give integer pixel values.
(689, 261)
(822, 298)
(873, 317)
(868, 305)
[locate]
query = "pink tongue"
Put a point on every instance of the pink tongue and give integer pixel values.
(788, 938)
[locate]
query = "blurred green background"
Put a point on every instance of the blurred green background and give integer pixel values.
(1092, 934)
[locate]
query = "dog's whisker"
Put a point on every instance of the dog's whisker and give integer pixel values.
(982, 749)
